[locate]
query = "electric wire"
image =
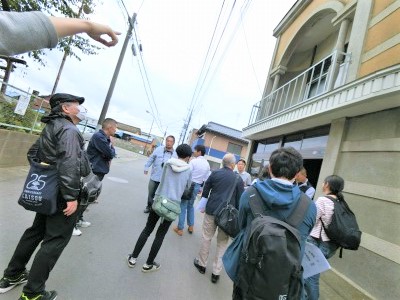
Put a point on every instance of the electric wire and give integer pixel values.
(221, 58)
(145, 78)
(121, 9)
(212, 59)
(123, 3)
(248, 50)
(195, 106)
(208, 51)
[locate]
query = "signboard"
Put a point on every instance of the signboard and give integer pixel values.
(22, 105)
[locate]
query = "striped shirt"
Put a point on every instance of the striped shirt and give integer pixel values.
(325, 207)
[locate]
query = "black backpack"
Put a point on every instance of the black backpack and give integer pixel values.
(343, 229)
(270, 263)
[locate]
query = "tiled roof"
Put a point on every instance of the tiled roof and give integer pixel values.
(224, 130)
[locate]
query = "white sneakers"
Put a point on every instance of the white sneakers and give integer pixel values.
(83, 223)
(76, 232)
(80, 223)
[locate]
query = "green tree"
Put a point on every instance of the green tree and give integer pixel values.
(68, 8)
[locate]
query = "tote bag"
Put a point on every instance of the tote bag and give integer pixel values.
(41, 188)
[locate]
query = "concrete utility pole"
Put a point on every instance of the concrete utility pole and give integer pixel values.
(116, 72)
(187, 126)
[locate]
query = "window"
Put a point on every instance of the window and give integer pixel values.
(317, 76)
(234, 149)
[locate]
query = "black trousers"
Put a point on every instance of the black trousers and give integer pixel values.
(153, 185)
(54, 232)
(158, 240)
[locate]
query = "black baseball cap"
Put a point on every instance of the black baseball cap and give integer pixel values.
(58, 98)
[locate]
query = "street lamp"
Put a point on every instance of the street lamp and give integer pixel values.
(151, 127)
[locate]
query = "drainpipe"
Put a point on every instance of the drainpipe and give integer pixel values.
(209, 148)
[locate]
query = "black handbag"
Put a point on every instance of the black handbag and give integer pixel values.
(40, 191)
(227, 217)
(90, 189)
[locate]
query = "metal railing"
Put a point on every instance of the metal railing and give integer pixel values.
(21, 110)
(322, 77)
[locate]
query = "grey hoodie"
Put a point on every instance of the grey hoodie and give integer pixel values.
(177, 176)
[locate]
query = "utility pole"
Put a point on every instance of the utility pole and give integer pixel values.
(187, 125)
(116, 72)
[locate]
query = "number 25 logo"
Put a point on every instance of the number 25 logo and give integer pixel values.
(36, 183)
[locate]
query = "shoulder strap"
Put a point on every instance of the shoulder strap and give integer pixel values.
(257, 207)
(297, 216)
(163, 176)
(232, 189)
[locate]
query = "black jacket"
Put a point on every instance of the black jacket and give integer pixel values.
(61, 143)
(217, 188)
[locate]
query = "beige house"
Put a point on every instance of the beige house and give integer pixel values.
(218, 140)
(333, 93)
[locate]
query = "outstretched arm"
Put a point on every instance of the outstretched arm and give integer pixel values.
(70, 26)
(26, 31)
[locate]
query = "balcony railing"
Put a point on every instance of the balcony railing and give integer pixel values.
(316, 80)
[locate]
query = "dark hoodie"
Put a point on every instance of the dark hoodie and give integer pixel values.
(281, 197)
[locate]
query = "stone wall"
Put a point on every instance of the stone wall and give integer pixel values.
(13, 147)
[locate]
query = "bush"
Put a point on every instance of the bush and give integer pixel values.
(8, 116)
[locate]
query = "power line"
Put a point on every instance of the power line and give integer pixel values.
(196, 97)
(147, 80)
(122, 1)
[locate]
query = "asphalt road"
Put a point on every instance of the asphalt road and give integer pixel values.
(93, 265)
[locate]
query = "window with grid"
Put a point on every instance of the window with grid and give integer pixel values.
(234, 149)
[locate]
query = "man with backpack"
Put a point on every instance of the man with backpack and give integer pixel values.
(264, 260)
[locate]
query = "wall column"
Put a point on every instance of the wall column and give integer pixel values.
(338, 57)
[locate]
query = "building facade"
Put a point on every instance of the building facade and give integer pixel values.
(333, 93)
(219, 140)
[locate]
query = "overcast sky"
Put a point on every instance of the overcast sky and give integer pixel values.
(176, 36)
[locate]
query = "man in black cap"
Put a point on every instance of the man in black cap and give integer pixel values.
(60, 144)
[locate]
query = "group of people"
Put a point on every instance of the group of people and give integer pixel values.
(60, 144)
(173, 175)
(284, 180)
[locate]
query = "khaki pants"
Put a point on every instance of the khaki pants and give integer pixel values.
(209, 229)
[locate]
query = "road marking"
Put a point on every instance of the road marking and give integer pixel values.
(116, 179)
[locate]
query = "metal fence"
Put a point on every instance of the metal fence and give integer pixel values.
(21, 110)
(320, 78)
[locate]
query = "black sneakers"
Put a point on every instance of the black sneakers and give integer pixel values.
(7, 284)
(151, 268)
(51, 295)
(201, 269)
(214, 278)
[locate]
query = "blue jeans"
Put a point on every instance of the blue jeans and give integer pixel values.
(311, 284)
(187, 206)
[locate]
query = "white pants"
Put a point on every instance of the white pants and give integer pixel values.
(209, 229)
